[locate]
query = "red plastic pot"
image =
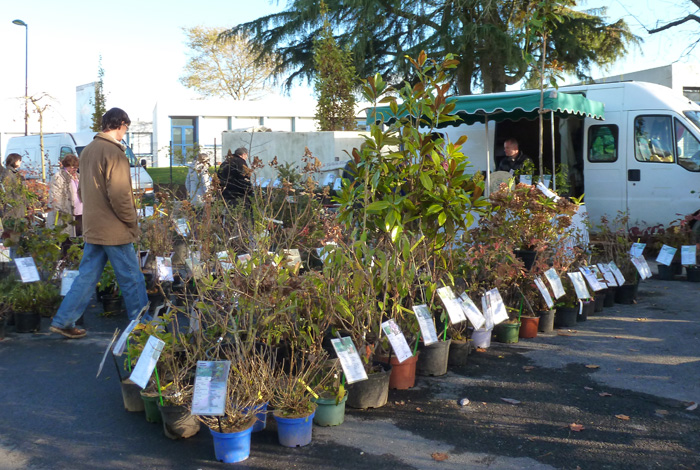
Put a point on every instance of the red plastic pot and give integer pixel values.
(528, 327)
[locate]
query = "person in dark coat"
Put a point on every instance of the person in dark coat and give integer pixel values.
(515, 159)
(234, 176)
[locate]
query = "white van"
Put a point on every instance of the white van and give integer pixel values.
(56, 146)
(643, 158)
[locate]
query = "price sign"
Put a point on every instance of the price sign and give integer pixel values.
(210, 388)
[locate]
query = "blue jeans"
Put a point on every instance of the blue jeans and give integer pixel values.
(129, 276)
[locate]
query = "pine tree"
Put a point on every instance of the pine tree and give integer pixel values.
(334, 81)
(99, 102)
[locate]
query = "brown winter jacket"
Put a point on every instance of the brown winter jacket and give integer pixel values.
(109, 213)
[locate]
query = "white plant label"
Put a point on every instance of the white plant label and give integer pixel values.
(545, 292)
(324, 251)
(591, 278)
(637, 249)
(67, 278)
(688, 255)
(165, 269)
(526, 179)
(27, 269)
(546, 191)
(5, 254)
(182, 227)
(397, 340)
(579, 285)
(555, 282)
(121, 342)
(143, 256)
(245, 258)
(666, 255)
(210, 388)
(147, 362)
(224, 260)
(338, 184)
(598, 275)
(293, 257)
(476, 318)
(607, 274)
(425, 321)
(349, 359)
(495, 307)
(547, 180)
(452, 305)
(642, 267)
(617, 273)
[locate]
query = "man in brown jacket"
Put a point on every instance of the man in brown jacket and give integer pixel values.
(110, 226)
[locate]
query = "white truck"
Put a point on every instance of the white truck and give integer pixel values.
(56, 146)
(643, 158)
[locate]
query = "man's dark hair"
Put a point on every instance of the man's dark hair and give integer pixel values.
(240, 151)
(114, 118)
(11, 159)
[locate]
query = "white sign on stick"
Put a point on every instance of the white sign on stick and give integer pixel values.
(545, 292)
(182, 227)
(607, 274)
(427, 326)
(526, 179)
(397, 340)
(165, 269)
(617, 273)
(555, 282)
(637, 249)
(452, 305)
(349, 359)
(666, 255)
(495, 307)
(476, 318)
(579, 285)
(121, 342)
(688, 255)
(67, 278)
(147, 362)
(642, 267)
(5, 254)
(27, 269)
(210, 388)
(591, 278)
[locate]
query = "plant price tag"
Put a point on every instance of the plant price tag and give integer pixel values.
(452, 305)
(579, 285)
(688, 255)
(555, 282)
(546, 180)
(27, 269)
(5, 254)
(182, 227)
(67, 278)
(666, 255)
(526, 179)
(425, 321)
(210, 388)
(293, 257)
(642, 267)
(617, 273)
(119, 346)
(607, 274)
(338, 184)
(397, 340)
(349, 359)
(545, 292)
(147, 362)
(547, 192)
(598, 275)
(224, 260)
(165, 269)
(591, 278)
(637, 249)
(476, 318)
(495, 307)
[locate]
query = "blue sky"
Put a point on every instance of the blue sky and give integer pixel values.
(143, 50)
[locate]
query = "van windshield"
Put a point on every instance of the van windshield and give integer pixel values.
(129, 154)
(694, 117)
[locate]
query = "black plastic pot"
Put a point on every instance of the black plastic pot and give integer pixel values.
(432, 360)
(459, 353)
(111, 303)
(600, 300)
(27, 322)
(370, 393)
(610, 296)
(131, 395)
(693, 273)
(528, 257)
(625, 294)
(546, 324)
(588, 308)
(178, 423)
(665, 272)
(566, 317)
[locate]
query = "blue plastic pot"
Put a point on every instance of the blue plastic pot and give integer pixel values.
(232, 447)
(260, 417)
(294, 432)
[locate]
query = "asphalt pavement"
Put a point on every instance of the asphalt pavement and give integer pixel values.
(616, 392)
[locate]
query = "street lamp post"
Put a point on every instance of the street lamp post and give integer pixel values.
(26, 62)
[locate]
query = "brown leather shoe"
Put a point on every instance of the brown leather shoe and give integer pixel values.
(73, 333)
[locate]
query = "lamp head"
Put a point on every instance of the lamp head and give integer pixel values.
(19, 23)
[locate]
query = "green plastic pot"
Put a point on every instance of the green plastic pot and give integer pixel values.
(507, 332)
(328, 413)
(150, 406)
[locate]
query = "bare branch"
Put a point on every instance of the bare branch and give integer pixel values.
(675, 23)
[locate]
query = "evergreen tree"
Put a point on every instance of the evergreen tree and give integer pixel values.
(99, 101)
(334, 81)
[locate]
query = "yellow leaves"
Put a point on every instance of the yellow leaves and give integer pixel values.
(576, 427)
(622, 417)
(592, 366)
(439, 456)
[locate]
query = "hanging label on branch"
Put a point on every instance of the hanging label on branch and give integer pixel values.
(637, 249)
(427, 326)
(617, 273)
(224, 260)
(666, 255)
(545, 292)
(555, 282)
(607, 274)
(147, 362)
(67, 278)
(452, 305)
(5, 254)
(494, 308)
(579, 285)
(210, 388)
(349, 359)
(182, 227)
(121, 342)
(165, 269)
(397, 340)
(27, 269)
(324, 251)
(293, 257)
(591, 278)
(688, 255)
(476, 318)
(642, 267)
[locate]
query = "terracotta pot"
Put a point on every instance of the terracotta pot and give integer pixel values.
(528, 327)
(403, 374)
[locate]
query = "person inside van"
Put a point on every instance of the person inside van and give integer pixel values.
(515, 158)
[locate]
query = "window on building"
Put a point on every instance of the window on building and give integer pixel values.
(183, 137)
(602, 143)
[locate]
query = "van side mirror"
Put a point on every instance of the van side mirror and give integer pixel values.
(143, 162)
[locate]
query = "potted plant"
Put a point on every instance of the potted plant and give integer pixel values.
(31, 301)
(330, 404)
(108, 291)
(612, 243)
(677, 234)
